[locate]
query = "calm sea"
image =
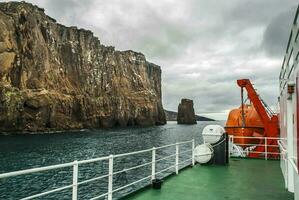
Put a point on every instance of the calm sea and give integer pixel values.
(19, 152)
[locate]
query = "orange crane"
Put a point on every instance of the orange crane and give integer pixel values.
(267, 118)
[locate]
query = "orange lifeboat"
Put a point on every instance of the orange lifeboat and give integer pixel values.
(247, 124)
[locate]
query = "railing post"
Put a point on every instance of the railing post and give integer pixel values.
(229, 145)
(153, 163)
(176, 158)
(110, 177)
(232, 144)
(266, 149)
(193, 147)
(75, 180)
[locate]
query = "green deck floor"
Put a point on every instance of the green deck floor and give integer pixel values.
(243, 179)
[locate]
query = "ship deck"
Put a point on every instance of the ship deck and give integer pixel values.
(243, 179)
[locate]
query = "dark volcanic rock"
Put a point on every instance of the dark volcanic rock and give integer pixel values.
(172, 116)
(54, 77)
(186, 113)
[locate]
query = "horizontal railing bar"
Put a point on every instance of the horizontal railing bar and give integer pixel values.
(93, 179)
(100, 196)
(166, 169)
(270, 138)
(292, 161)
(182, 152)
(135, 167)
(170, 145)
(132, 153)
(48, 192)
(33, 170)
(166, 146)
(184, 142)
(147, 150)
(166, 157)
(93, 160)
(281, 146)
(185, 161)
(268, 145)
(120, 188)
(260, 152)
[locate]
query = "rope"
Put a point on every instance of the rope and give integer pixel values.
(218, 143)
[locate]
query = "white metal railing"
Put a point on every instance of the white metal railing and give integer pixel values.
(250, 147)
(293, 163)
(109, 194)
(286, 162)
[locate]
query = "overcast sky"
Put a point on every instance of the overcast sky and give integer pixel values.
(202, 46)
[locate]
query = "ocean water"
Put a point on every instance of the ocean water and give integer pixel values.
(18, 152)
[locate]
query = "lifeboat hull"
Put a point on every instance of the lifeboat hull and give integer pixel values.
(252, 126)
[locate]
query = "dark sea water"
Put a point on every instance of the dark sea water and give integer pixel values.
(18, 152)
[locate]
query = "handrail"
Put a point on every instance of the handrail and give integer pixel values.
(38, 169)
(243, 152)
(251, 144)
(48, 192)
(131, 168)
(120, 188)
(132, 153)
(281, 146)
(292, 161)
(93, 179)
(93, 160)
(75, 165)
(271, 138)
(166, 157)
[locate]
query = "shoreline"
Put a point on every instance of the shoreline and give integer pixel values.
(48, 132)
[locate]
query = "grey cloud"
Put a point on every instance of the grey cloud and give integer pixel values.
(256, 12)
(277, 32)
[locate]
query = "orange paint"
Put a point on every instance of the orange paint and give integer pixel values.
(258, 122)
(253, 125)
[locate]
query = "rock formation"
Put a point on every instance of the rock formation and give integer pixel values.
(186, 113)
(54, 77)
(172, 116)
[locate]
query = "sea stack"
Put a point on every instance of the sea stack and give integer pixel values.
(54, 77)
(186, 113)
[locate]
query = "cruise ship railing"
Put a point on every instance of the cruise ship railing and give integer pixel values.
(285, 158)
(252, 146)
(109, 194)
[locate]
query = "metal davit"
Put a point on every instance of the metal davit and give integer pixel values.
(253, 120)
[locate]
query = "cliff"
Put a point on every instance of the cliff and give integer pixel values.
(172, 116)
(186, 113)
(54, 77)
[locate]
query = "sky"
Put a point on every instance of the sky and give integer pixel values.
(202, 46)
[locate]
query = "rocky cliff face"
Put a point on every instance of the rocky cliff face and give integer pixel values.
(54, 77)
(186, 113)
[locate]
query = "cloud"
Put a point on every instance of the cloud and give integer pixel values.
(202, 46)
(277, 32)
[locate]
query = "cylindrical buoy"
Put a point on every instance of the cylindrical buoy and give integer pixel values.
(212, 133)
(203, 153)
(217, 138)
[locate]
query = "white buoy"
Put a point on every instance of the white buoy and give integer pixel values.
(212, 133)
(203, 153)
